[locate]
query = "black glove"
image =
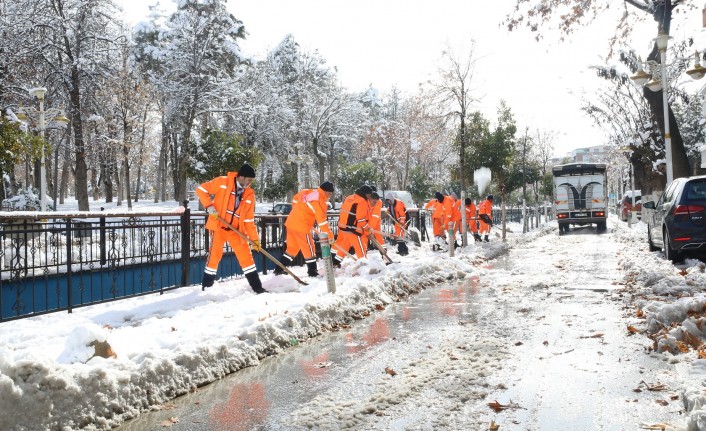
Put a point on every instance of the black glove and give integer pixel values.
(486, 219)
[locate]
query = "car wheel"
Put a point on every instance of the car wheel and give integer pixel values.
(651, 244)
(669, 253)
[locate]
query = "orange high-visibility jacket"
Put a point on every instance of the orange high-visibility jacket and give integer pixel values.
(398, 210)
(310, 208)
(354, 215)
(299, 195)
(471, 211)
(448, 205)
(456, 212)
(437, 209)
(376, 215)
(486, 207)
(224, 191)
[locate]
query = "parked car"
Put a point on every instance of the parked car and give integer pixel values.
(677, 223)
(283, 208)
(626, 204)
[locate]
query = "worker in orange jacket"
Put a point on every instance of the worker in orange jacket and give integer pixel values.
(485, 215)
(353, 224)
(376, 218)
(308, 210)
(397, 209)
(472, 218)
(233, 201)
(439, 216)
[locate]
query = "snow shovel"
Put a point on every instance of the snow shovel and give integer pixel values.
(382, 250)
(263, 251)
(412, 235)
(338, 247)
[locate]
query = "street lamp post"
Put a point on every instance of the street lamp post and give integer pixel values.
(661, 81)
(40, 117)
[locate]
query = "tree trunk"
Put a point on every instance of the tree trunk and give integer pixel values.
(320, 158)
(81, 170)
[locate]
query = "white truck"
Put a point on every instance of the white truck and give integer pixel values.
(580, 195)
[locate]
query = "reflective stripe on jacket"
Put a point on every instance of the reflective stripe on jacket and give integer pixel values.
(354, 214)
(310, 208)
(223, 189)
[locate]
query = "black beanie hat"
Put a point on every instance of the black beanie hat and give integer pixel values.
(246, 171)
(439, 196)
(364, 190)
(327, 186)
(490, 197)
(468, 201)
(375, 195)
(373, 188)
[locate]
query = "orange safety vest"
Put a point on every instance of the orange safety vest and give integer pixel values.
(309, 208)
(224, 191)
(354, 215)
(456, 211)
(486, 207)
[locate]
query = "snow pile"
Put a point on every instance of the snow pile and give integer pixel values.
(52, 377)
(670, 307)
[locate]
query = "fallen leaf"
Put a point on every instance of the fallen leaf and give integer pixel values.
(169, 422)
(173, 329)
(662, 402)
(493, 426)
(596, 335)
(390, 371)
(497, 407)
(692, 340)
(683, 272)
(640, 313)
(545, 342)
(654, 426)
(519, 343)
(632, 329)
(379, 307)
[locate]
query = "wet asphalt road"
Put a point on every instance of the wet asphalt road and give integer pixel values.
(565, 358)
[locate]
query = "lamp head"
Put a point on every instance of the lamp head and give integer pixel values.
(38, 92)
(654, 84)
(61, 120)
(641, 77)
(662, 40)
(698, 71)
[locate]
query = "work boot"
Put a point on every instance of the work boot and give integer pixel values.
(456, 244)
(312, 270)
(208, 280)
(402, 249)
(485, 238)
(336, 262)
(255, 283)
(286, 261)
(477, 237)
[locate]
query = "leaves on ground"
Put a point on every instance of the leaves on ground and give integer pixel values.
(596, 335)
(169, 422)
(497, 407)
(390, 371)
(660, 426)
(633, 330)
(493, 426)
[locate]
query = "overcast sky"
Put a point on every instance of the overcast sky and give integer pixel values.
(399, 42)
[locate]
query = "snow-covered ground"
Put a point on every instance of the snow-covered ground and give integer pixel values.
(167, 345)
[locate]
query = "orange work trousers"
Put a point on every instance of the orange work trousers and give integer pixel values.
(240, 247)
(346, 240)
(300, 242)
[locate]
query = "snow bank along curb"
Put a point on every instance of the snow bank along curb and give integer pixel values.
(103, 393)
(671, 311)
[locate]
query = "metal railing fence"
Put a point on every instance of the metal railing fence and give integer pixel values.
(77, 259)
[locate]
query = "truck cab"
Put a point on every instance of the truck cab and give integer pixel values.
(580, 195)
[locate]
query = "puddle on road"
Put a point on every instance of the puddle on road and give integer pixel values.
(263, 397)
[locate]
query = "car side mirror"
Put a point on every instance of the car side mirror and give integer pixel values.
(649, 205)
